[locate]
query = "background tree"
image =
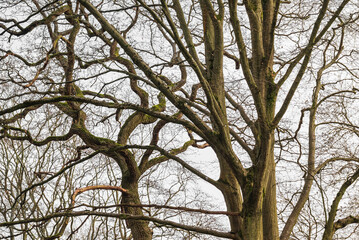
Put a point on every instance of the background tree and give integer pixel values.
(267, 85)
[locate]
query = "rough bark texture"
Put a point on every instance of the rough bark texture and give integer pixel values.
(248, 186)
(270, 218)
(139, 229)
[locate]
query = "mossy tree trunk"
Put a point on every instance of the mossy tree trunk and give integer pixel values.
(139, 229)
(244, 190)
(249, 191)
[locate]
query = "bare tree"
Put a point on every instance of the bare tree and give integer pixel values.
(269, 86)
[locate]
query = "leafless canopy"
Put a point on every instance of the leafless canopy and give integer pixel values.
(116, 114)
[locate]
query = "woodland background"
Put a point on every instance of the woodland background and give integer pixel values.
(116, 116)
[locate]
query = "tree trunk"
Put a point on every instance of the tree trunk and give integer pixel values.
(139, 229)
(233, 198)
(260, 205)
(270, 217)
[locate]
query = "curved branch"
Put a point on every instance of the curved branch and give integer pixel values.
(55, 175)
(136, 58)
(78, 191)
(29, 138)
(19, 115)
(165, 117)
(326, 162)
(34, 24)
(334, 94)
(329, 227)
(172, 156)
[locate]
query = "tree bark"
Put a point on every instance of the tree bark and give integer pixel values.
(260, 206)
(233, 198)
(270, 219)
(139, 229)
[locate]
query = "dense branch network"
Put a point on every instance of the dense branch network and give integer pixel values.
(140, 85)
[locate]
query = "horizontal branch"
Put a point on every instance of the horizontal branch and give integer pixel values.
(43, 101)
(185, 209)
(29, 138)
(27, 104)
(167, 223)
(334, 94)
(341, 223)
(19, 115)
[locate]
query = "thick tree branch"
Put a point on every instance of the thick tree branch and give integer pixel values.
(330, 225)
(342, 223)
